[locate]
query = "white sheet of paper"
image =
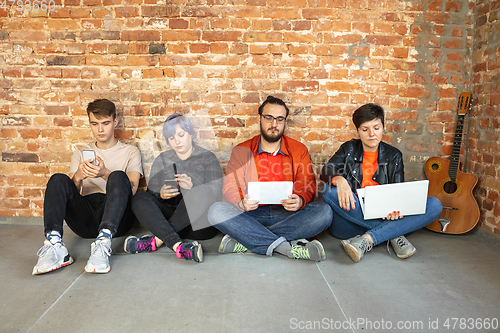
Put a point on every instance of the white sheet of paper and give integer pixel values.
(268, 193)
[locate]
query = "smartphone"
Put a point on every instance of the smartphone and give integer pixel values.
(171, 182)
(86, 154)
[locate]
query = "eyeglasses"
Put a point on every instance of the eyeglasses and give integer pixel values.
(269, 118)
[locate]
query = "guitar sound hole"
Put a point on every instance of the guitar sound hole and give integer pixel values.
(450, 187)
(435, 166)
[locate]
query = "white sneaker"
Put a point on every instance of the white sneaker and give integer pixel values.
(51, 257)
(99, 257)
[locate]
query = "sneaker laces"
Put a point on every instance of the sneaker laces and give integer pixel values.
(145, 245)
(44, 249)
(365, 245)
(300, 252)
(239, 248)
(183, 253)
(99, 246)
(400, 242)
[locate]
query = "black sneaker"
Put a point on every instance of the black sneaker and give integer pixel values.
(146, 243)
(190, 251)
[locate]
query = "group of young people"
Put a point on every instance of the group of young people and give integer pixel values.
(183, 200)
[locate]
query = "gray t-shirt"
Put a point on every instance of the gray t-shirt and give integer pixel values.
(121, 156)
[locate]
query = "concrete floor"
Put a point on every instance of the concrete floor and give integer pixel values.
(449, 277)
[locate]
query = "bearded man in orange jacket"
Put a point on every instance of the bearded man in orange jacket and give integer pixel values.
(265, 229)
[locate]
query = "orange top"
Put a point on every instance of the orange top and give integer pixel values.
(369, 166)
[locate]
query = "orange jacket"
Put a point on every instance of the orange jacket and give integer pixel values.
(243, 167)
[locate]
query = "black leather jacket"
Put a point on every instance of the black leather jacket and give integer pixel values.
(348, 159)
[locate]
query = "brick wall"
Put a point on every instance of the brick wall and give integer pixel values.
(484, 146)
(217, 61)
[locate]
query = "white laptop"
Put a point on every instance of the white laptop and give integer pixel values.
(409, 198)
(268, 193)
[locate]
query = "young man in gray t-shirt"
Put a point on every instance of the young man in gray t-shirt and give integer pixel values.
(94, 198)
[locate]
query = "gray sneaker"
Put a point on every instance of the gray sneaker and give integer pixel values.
(51, 257)
(402, 247)
(99, 257)
(303, 249)
(356, 247)
(315, 245)
(231, 245)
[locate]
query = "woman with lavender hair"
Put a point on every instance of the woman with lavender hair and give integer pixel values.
(184, 182)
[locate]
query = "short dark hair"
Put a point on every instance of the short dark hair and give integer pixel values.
(102, 108)
(275, 101)
(367, 112)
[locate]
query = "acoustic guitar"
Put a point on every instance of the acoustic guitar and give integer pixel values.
(452, 186)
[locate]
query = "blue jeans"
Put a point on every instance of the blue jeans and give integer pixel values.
(263, 229)
(347, 224)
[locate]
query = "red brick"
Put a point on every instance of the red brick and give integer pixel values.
(217, 36)
(11, 72)
(61, 12)
(182, 35)
(223, 48)
(56, 110)
(178, 24)
(126, 11)
(64, 122)
(76, 13)
(318, 14)
(160, 11)
(274, 37)
(29, 36)
(282, 13)
(145, 35)
(383, 40)
(301, 86)
(152, 73)
(143, 60)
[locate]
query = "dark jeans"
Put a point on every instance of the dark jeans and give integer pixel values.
(169, 222)
(87, 215)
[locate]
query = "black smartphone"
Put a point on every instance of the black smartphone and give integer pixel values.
(87, 154)
(171, 182)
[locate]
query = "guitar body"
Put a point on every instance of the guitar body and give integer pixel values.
(460, 208)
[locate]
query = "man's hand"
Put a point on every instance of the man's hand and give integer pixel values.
(90, 170)
(246, 204)
(168, 192)
(293, 203)
(346, 198)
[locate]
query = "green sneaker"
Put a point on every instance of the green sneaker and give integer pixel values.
(303, 249)
(356, 247)
(231, 245)
(402, 247)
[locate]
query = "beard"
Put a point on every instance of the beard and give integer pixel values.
(269, 137)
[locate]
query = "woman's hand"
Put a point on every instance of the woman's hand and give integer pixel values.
(395, 215)
(184, 181)
(346, 198)
(168, 192)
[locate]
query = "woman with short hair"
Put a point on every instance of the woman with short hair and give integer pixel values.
(362, 162)
(184, 182)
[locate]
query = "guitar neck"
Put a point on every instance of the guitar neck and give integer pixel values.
(455, 152)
